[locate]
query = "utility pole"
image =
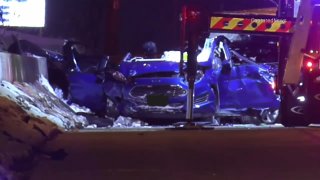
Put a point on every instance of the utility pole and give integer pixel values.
(112, 27)
(193, 30)
(183, 23)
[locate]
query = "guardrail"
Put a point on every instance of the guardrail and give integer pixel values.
(19, 68)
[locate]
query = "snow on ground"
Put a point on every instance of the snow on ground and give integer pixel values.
(30, 116)
(38, 100)
(128, 122)
(58, 92)
(22, 137)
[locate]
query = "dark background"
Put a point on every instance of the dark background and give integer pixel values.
(104, 28)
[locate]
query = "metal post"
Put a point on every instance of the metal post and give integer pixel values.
(192, 36)
(190, 102)
(112, 29)
(183, 19)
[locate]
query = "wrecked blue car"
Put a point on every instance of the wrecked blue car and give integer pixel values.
(227, 84)
(147, 89)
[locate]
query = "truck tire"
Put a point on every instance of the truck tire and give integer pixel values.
(311, 110)
(291, 111)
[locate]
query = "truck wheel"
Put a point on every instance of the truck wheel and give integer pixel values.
(312, 103)
(291, 111)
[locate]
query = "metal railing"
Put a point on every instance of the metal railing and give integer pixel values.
(19, 68)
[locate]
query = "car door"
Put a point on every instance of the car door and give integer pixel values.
(241, 84)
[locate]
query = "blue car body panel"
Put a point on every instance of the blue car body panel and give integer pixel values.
(244, 88)
(85, 91)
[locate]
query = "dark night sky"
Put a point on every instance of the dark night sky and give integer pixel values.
(158, 20)
(139, 21)
(80, 19)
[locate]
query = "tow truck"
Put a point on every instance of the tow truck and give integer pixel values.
(300, 90)
(296, 24)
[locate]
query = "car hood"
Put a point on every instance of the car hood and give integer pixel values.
(148, 67)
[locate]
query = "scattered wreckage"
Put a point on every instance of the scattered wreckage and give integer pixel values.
(227, 84)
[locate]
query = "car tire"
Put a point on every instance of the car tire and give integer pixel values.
(291, 112)
(269, 116)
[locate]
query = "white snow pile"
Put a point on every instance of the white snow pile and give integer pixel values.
(22, 136)
(38, 100)
(128, 122)
(75, 107)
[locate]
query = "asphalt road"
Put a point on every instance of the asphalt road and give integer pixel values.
(245, 153)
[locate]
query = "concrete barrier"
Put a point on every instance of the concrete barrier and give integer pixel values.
(19, 68)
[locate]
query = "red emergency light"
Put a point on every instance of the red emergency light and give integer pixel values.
(309, 64)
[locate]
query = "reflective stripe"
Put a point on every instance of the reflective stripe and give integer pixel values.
(247, 24)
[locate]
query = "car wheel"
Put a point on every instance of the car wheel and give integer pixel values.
(291, 111)
(269, 116)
